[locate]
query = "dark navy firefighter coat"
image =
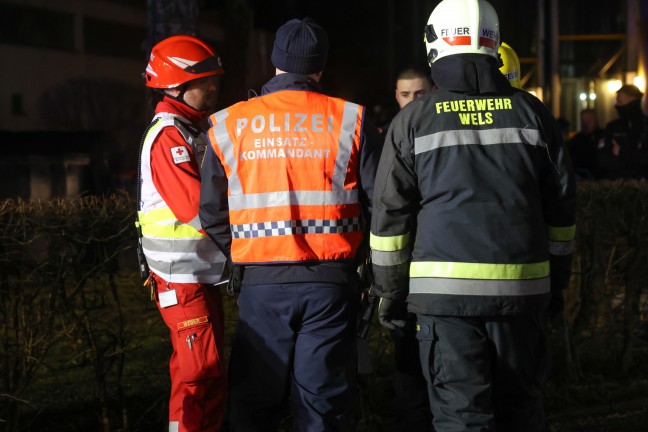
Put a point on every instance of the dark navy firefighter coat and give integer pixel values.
(474, 203)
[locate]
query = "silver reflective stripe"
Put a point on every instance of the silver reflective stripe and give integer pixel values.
(477, 137)
(174, 426)
(195, 223)
(390, 258)
(287, 198)
(227, 147)
(479, 286)
(561, 247)
(187, 271)
(345, 144)
(170, 245)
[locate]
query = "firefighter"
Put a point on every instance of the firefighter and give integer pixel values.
(473, 226)
(184, 263)
(509, 64)
(287, 182)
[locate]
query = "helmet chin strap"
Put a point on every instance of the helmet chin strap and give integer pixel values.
(180, 96)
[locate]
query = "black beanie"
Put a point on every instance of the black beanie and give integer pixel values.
(301, 46)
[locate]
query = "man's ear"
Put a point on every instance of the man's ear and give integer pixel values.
(173, 92)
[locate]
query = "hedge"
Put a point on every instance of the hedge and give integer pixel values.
(78, 329)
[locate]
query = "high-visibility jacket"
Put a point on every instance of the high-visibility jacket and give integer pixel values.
(291, 158)
(474, 204)
(176, 251)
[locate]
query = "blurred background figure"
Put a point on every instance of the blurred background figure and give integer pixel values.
(623, 153)
(510, 64)
(582, 146)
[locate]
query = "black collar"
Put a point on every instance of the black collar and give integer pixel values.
(290, 81)
(469, 74)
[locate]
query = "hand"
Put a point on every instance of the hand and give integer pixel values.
(392, 314)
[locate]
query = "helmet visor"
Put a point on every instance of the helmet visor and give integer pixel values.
(211, 64)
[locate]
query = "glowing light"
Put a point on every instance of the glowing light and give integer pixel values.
(582, 96)
(640, 82)
(592, 96)
(614, 85)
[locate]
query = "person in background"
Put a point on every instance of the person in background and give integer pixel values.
(286, 194)
(623, 152)
(582, 146)
(411, 400)
(473, 227)
(510, 64)
(411, 83)
(184, 263)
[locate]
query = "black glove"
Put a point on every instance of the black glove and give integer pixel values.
(392, 313)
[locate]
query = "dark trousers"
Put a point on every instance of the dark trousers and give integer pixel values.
(484, 374)
(294, 346)
(411, 400)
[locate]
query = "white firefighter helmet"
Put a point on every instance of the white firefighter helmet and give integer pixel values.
(510, 64)
(462, 27)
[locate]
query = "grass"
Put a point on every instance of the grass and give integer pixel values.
(64, 397)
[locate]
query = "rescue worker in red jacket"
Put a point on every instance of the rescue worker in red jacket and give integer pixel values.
(286, 185)
(184, 263)
(473, 226)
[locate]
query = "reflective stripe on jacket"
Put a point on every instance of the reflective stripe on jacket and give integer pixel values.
(174, 250)
(291, 158)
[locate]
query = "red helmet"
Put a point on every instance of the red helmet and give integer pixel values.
(178, 59)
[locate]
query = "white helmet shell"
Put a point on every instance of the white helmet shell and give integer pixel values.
(462, 27)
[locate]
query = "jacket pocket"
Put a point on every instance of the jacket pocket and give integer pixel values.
(197, 353)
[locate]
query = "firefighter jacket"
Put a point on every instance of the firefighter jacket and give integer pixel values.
(173, 244)
(295, 190)
(474, 205)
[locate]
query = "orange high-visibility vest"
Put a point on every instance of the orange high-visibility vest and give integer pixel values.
(291, 159)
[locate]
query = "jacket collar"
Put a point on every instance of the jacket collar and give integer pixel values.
(630, 111)
(290, 81)
(175, 107)
(469, 74)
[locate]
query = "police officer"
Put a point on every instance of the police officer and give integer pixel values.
(287, 181)
(473, 225)
(184, 263)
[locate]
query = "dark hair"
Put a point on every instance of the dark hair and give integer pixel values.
(414, 72)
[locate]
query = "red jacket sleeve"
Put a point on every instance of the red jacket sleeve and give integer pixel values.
(175, 174)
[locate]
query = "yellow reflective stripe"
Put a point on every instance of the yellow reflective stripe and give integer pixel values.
(183, 231)
(460, 270)
(388, 244)
(562, 233)
(158, 215)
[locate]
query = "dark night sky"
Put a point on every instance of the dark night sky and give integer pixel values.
(372, 40)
